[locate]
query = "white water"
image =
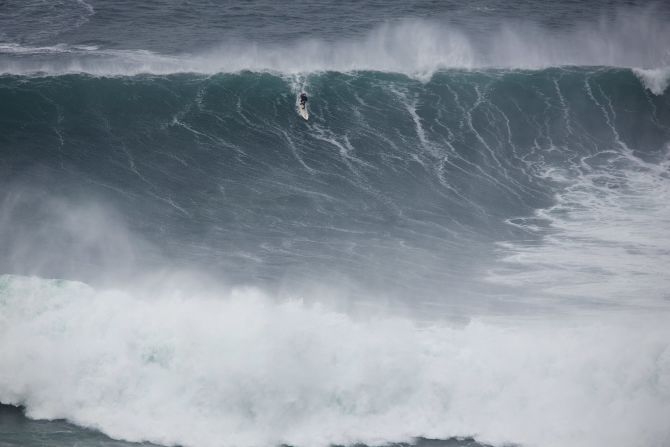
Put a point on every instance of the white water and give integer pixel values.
(175, 365)
(655, 79)
(418, 48)
(605, 241)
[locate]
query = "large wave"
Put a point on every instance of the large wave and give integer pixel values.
(518, 210)
(221, 169)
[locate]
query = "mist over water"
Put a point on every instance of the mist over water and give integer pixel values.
(467, 241)
(633, 38)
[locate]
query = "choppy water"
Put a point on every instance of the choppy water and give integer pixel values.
(468, 240)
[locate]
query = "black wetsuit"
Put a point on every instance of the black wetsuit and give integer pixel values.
(303, 99)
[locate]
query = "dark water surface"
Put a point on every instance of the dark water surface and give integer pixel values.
(17, 430)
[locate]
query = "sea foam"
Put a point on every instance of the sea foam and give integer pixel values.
(175, 365)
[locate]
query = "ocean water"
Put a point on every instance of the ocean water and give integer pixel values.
(467, 243)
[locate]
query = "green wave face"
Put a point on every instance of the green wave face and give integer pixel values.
(389, 171)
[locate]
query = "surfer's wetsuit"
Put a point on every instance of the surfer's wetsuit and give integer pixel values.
(303, 99)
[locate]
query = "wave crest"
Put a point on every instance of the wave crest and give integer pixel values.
(413, 47)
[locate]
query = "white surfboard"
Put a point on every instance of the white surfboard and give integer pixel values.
(302, 111)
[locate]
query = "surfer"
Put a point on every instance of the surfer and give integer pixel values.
(302, 108)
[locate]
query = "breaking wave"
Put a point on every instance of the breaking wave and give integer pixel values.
(414, 47)
(470, 253)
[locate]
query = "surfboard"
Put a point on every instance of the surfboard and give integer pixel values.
(302, 111)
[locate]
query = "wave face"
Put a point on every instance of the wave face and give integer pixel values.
(218, 171)
(468, 238)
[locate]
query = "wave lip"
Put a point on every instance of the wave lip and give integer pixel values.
(413, 47)
(655, 79)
